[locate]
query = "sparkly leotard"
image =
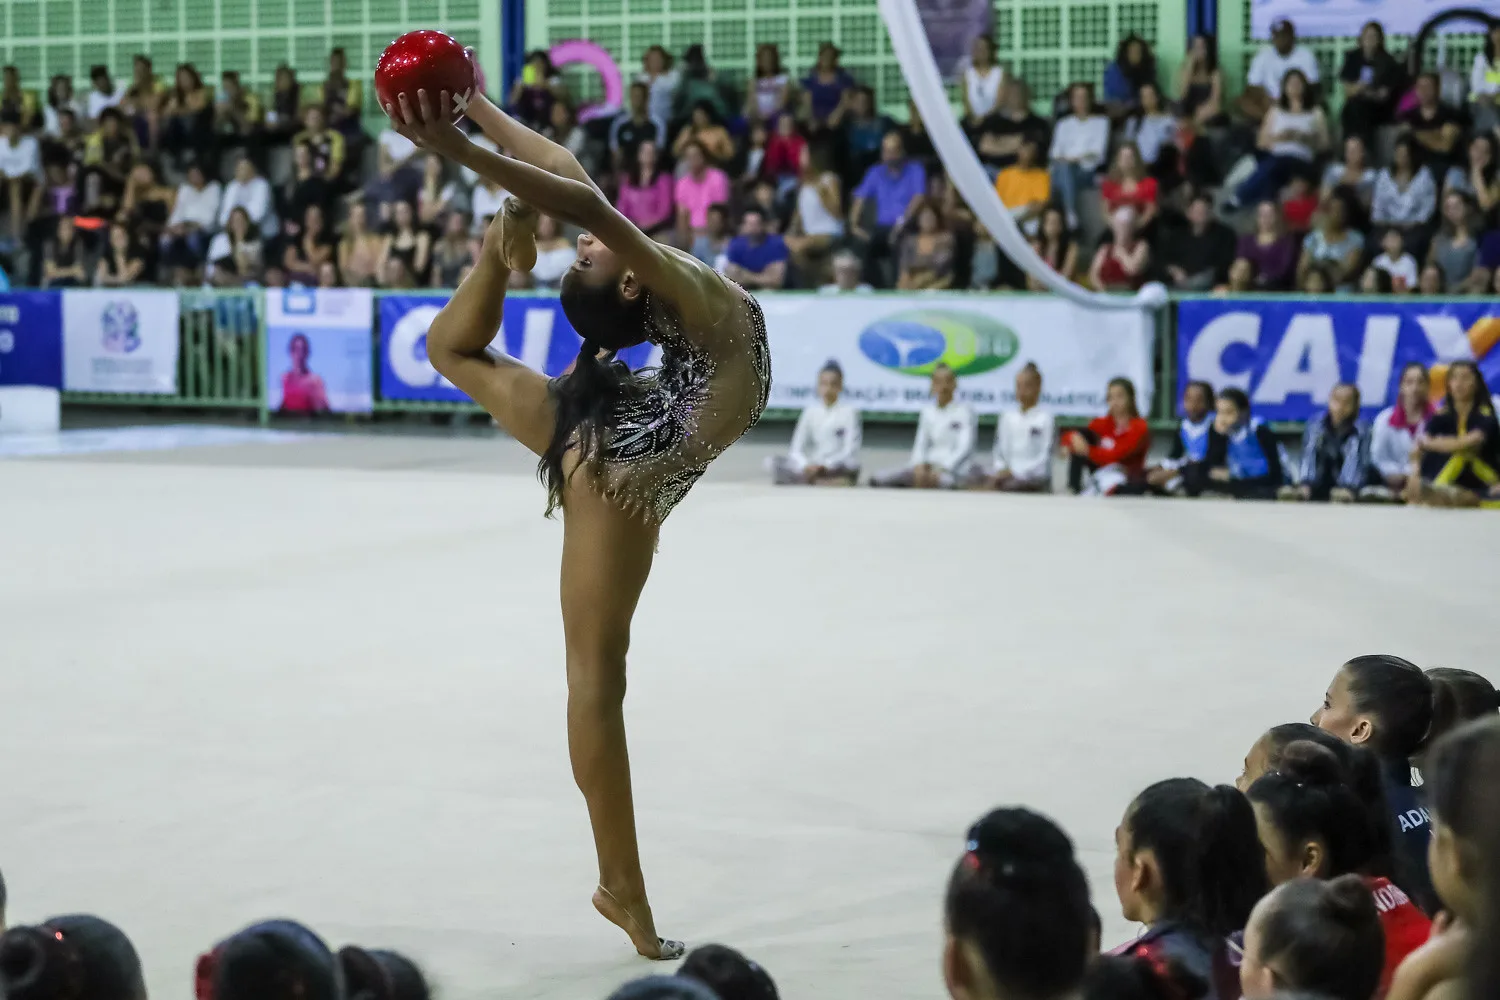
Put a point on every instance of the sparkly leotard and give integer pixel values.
(711, 388)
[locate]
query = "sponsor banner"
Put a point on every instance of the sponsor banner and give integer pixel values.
(1288, 354)
(31, 341)
(534, 331)
(1345, 18)
(318, 350)
(888, 345)
(120, 340)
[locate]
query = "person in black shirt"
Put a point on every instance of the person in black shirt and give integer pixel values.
(1460, 446)
(1437, 128)
(1373, 80)
(1243, 459)
(999, 136)
(635, 126)
(1197, 257)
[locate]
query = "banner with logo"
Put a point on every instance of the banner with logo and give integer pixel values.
(534, 331)
(1345, 18)
(1288, 354)
(120, 340)
(888, 345)
(318, 350)
(31, 350)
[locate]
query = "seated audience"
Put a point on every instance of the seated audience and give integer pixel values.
(698, 186)
(894, 187)
(999, 136)
(1189, 865)
(768, 96)
(927, 251)
(1080, 143)
(187, 114)
(1436, 128)
(1190, 443)
(305, 188)
(1127, 184)
(826, 90)
(63, 257)
(1316, 281)
(1269, 68)
(340, 97)
(1122, 263)
(755, 258)
(1153, 130)
(1197, 257)
(122, 263)
(79, 956)
(1460, 448)
(284, 110)
(863, 128)
(1298, 205)
(1200, 82)
(729, 974)
(362, 250)
(454, 252)
(633, 126)
(1373, 81)
(817, 221)
(1479, 178)
(1025, 188)
(1395, 261)
(1314, 824)
(1334, 244)
(1484, 83)
(1054, 243)
(239, 114)
(309, 249)
(1133, 67)
(1335, 457)
(408, 242)
(1460, 799)
(437, 196)
(555, 253)
(847, 274)
(327, 145)
(1384, 703)
(1395, 433)
(486, 201)
(1017, 919)
(1455, 249)
(1405, 193)
(1271, 249)
(645, 194)
(705, 130)
(712, 244)
(826, 441)
(699, 85)
(1293, 134)
(195, 214)
(20, 164)
(1108, 456)
(1024, 439)
(1354, 174)
(786, 153)
(943, 451)
(236, 255)
(252, 192)
(984, 81)
(1243, 459)
(1321, 937)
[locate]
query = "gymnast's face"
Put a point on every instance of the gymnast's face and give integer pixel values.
(596, 264)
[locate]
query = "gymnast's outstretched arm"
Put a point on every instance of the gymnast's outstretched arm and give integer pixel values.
(695, 291)
(523, 143)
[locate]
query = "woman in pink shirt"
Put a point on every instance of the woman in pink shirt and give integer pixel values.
(645, 196)
(699, 187)
(302, 390)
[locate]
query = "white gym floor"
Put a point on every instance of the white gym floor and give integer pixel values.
(323, 679)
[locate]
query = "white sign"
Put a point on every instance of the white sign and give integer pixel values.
(120, 340)
(888, 345)
(1345, 18)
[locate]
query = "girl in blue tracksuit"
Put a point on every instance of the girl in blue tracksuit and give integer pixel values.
(1242, 459)
(1191, 442)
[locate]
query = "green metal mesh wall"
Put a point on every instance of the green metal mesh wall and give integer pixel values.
(1237, 48)
(45, 37)
(1049, 43)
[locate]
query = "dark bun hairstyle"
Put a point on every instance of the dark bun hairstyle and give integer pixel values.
(1310, 796)
(381, 975)
(1020, 898)
(728, 973)
(75, 957)
(1398, 696)
(1324, 937)
(271, 960)
(1458, 696)
(1207, 848)
(1141, 977)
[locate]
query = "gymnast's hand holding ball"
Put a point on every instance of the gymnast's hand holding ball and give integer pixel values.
(424, 81)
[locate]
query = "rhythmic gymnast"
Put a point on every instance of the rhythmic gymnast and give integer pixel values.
(617, 451)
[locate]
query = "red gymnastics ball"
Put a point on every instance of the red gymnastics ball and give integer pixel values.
(425, 60)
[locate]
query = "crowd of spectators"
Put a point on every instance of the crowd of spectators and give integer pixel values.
(797, 179)
(1437, 445)
(1355, 857)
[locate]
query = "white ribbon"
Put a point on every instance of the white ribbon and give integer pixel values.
(909, 39)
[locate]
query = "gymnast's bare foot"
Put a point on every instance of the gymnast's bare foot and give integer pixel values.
(642, 931)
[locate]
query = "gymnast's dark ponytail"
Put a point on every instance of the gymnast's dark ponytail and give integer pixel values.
(588, 398)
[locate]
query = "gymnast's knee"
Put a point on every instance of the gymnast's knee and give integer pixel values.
(596, 682)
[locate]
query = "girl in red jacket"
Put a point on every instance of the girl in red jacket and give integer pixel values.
(1112, 447)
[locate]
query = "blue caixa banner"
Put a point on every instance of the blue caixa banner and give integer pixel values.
(31, 347)
(1287, 354)
(534, 331)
